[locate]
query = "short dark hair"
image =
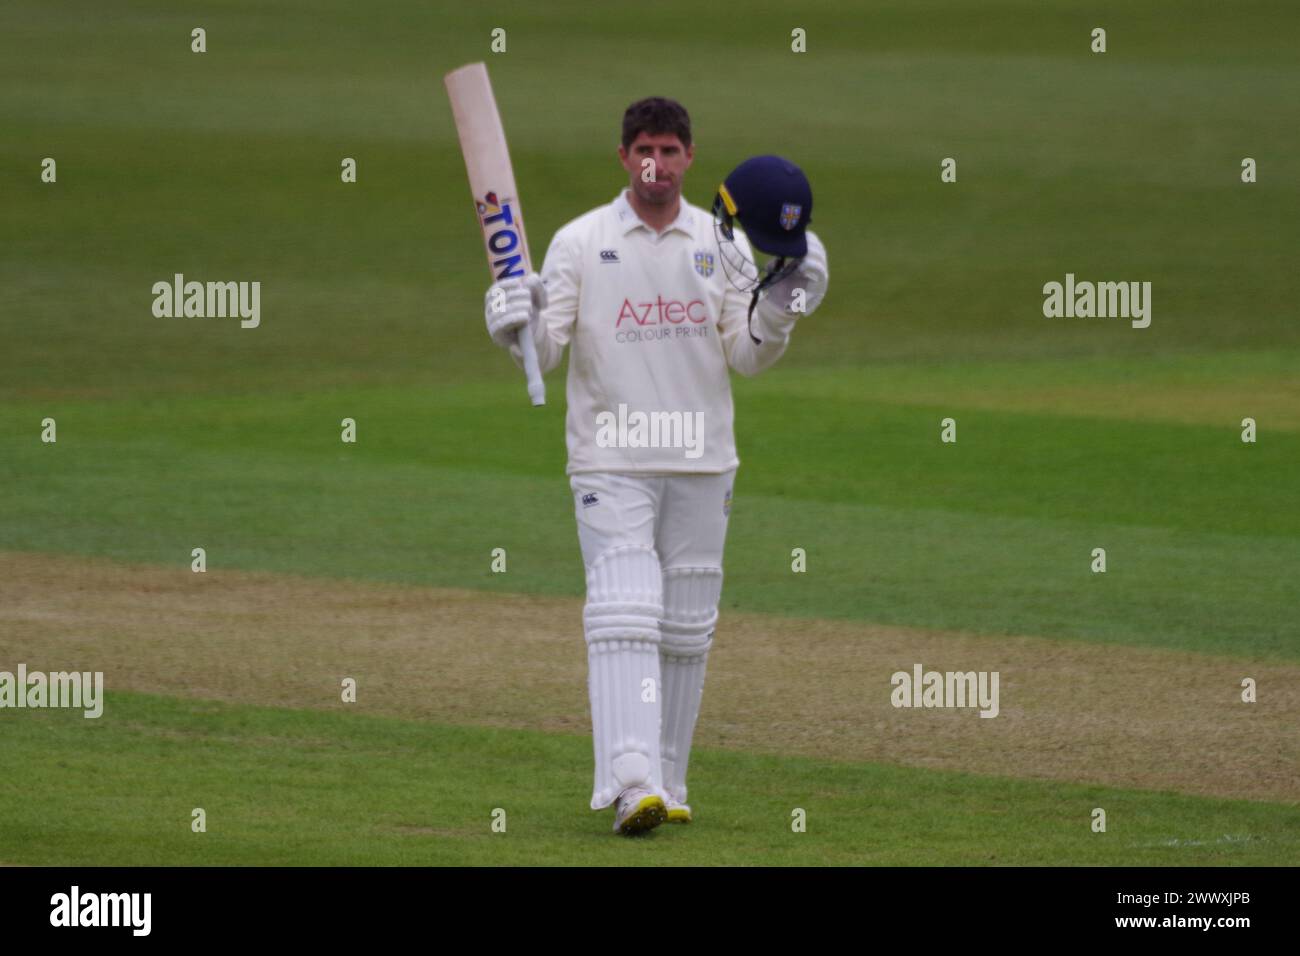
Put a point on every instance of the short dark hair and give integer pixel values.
(656, 114)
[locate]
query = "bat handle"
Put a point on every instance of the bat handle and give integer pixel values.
(536, 387)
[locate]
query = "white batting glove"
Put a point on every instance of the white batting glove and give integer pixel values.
(797, 294)
(811, 275)
(512, 305)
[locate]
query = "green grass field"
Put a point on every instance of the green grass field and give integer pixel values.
(1072, 433)
(294, 788)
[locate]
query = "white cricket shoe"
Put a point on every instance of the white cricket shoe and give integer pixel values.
(638, 809)
(678, 812)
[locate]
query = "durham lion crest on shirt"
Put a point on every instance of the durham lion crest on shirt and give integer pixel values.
(704, 263)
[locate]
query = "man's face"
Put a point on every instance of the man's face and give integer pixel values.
(668, 161)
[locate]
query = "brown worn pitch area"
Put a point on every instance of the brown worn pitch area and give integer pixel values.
(1074, 711)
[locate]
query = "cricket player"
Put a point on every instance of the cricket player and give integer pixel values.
(657, 300)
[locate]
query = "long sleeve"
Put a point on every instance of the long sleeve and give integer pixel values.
(743, 354)
(563, 283)
(774, 315)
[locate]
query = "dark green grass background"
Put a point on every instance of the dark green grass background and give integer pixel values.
(179, 433)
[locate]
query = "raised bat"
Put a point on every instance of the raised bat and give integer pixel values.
(492, 183)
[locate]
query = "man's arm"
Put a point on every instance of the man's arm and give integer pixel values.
(554, 326)
(774, 316)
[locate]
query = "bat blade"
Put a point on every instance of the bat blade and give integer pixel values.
(492, 184)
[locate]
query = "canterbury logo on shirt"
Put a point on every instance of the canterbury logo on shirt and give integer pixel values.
(672, 311)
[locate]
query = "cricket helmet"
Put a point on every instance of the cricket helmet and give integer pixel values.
(771, 200)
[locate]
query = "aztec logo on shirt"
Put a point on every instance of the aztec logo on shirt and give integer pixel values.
(661, 311)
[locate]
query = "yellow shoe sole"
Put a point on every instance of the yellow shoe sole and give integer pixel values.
(649, 813)
(679, 815)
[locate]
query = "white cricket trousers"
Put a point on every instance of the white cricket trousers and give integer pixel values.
(652, 546)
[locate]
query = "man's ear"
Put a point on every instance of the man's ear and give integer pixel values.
(622, 155)
(690, 155)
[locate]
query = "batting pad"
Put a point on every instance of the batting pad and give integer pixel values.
(690, 614)
(621, 620)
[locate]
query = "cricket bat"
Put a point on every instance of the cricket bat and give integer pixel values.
(496, 200)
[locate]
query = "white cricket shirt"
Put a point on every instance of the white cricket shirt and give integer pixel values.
(653, 326)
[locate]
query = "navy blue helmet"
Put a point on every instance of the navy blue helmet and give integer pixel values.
(771, 200)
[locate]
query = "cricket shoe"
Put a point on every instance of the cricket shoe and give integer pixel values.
(638, 809)
(678, 812)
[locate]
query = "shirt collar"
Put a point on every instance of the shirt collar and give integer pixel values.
(629, 220)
